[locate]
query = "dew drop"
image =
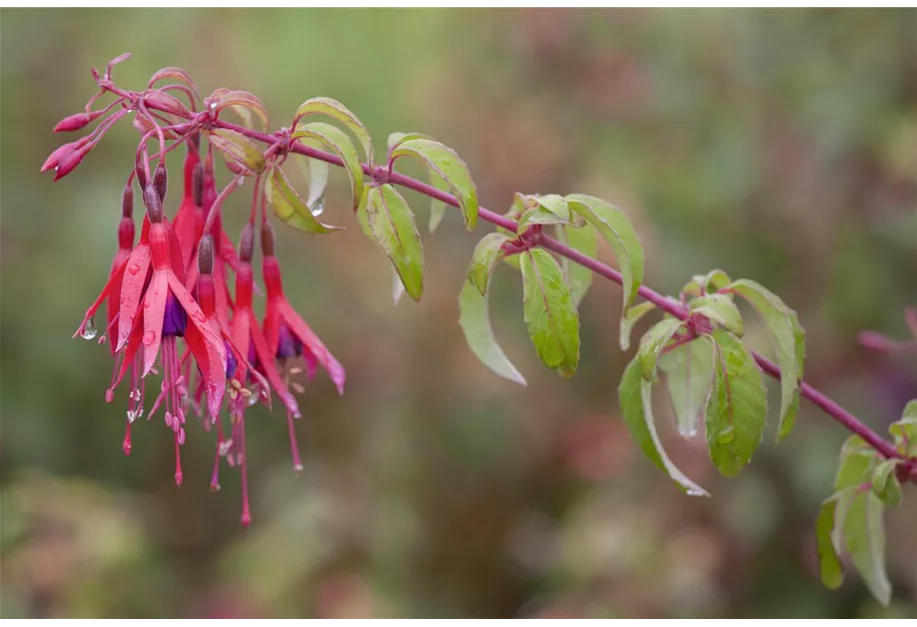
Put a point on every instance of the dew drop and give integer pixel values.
(149, 337)
(252, 399)
(214, 487)
(89, 329)
(297, 468)
(134, 268)
(726, 436)
(687, 432)
(318, 206)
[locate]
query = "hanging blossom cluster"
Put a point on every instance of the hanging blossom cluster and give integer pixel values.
(168, 307)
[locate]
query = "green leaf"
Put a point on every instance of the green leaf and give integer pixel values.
(550, 314)
(885, 484)
(720, 309)
(652, 343)
(391, 225)
(315, 172)
(336, 110)
(289, 205)
(244, 103)
(538, 215)
(864, 539)
(635, 395)
(449, 166)
(338, 141)
(778, 320)
(619, 232)
(630, 319)
(238, 148)
(437, 207)
(554, 204)
(584, 240)
(486, 254)
(475, 323)
(905, 431)
(701, 284)
(689, 377)
(737, 410)
(832, 570)
(858, 461)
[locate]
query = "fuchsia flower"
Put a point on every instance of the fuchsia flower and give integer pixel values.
(287, 334)
(168, 307)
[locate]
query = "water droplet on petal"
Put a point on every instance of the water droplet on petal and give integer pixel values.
(89, 329)
(149, 337)
(318, 206)
(134, 268)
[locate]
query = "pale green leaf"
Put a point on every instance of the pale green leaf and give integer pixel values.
(444, 161)
(737, 409)
(475, 322)
(721, 310)
(553, 204)
(885, 484)
(486, 254)
(630, 319)
(584, 240)
(701, 284)
(289, 206)
(397, 287)
(778, 320)
(550, 315)
(391, 223)
(635, 396)
(653, 342)
(621, 236)
(339, 142)
(437, 207)
(538, 215)
(858, 462)
(830, 566)
(864, 539)
(689, 377)
(334, 109)
(905, 431)
(244, 103)
(238, 148)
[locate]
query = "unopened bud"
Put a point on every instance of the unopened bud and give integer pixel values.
(140, 169)
(60, 152)
(127, 201)
(161, 180)
(153, 203)
(73, 122)
(205, 255)
(247, 242)
(197, 184)
(267, 239)
(71, 160)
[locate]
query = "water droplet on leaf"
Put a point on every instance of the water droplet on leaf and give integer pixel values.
(318, 206)
(149, 337)
(89, 329)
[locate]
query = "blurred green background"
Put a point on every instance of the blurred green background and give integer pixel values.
(778, 145)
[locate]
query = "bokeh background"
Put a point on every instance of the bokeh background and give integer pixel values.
(778, 145)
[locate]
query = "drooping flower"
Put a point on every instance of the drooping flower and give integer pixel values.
(287, 334)
(167, 309)
(111, 297)
(190, 211)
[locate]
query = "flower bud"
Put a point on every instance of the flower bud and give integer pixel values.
(127, 202)
(140, 169)
(247, 243)
(205, 255)
(153, 203)
(161, 180)
(197, 185)
(71, 160)
(59, 153)
(267, 239)
(74, 122)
